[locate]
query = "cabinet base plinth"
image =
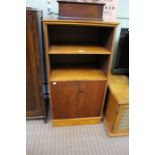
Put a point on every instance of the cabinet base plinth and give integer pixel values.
(114, 134)
(75, 121)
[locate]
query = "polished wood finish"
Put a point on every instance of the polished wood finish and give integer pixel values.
(99, 23)
(34, 98)
(75, 121)
(91, 95)
(111, 134)
(77, 99)
(78, 74)
(119, 86)
(77, 49)
(77, 80)
(80, 9)
(64, 99)
(117, 105)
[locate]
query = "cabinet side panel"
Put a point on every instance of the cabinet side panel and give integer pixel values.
(111, 111)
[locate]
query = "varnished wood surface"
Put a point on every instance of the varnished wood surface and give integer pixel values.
(119, 86)
(75, 121)
(117, 103)
(67, 98)
(77, 49)
(82, 1)
(64, 100)
(80, 22)
(76, 74)
(111, 134)
(90, 99)
(77, 99)
(34, 98)
(78, 10)
(111, 111)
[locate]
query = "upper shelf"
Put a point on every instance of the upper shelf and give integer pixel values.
(77, 49)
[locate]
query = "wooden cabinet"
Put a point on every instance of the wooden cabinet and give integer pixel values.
(34, 98)
(116, 116)
(78, 54)
(77, 99)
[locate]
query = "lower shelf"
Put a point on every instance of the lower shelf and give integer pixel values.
(75, 121)
(72, 74)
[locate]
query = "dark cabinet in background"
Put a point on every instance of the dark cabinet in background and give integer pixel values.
(34, 79)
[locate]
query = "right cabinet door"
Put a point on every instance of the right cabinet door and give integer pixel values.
(90, 98)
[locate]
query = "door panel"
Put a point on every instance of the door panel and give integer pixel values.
(34, 100)
(64, 99)
(91, 95)
(77, 99)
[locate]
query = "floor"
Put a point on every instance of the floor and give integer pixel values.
(43, 139)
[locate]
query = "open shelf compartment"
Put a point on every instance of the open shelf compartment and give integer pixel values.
(71, 39)
(78, 67)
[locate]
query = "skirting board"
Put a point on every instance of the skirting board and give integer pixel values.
(75, 121)
(114, 134)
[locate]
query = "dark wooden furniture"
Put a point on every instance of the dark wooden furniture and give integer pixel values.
(116, 116)
(91, 9)
(34, 82)
(78, 55)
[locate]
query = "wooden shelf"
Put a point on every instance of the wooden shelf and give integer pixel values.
(77, 49)
(76, 74)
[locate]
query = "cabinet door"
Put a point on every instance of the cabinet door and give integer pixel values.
(64, 99)
(34, 100)
(91, 95)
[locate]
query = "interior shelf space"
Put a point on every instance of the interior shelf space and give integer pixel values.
(77, 49)
(71, 39)
(72, 67)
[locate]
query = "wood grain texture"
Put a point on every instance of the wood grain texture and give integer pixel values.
(77, 49)
(78, 10)
(75, 121)
(34, 98)
(119, 86)
(100, 23)
(77, 92)
(90, 98)
(77, 99)
(111, 134)
(111, 111)
(116, 111)
(64, 100)
(76, 74)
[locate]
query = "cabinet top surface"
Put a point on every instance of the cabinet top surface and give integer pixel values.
(80, 22)
(119, 86)
(81, 1)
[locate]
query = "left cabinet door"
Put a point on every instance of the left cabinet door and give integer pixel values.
(34, 100)
(64, 97)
